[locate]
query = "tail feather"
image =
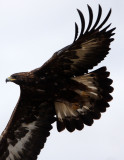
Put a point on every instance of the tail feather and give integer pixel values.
(92, 101)
(79, 124)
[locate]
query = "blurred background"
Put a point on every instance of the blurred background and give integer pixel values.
(30, 32)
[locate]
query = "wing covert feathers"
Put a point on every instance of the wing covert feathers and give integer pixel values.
(93, 100)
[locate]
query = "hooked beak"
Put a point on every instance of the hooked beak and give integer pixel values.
(10, 79)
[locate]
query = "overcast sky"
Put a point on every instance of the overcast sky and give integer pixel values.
(30, 32)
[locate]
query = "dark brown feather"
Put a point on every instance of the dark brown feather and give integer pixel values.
(87, 50)
(93, 100)
(28, 112)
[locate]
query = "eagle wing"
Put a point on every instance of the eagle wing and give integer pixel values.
(87, 50)
(28, 128)
(80, 98)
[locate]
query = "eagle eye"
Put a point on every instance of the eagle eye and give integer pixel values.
(14, 76)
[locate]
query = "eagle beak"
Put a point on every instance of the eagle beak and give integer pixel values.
(10, 79)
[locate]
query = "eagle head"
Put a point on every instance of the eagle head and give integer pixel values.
(21, 78)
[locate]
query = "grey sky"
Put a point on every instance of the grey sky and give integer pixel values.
(30, 32)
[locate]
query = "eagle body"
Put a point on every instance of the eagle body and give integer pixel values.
(61, 90)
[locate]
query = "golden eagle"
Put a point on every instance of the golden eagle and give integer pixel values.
(61, 90)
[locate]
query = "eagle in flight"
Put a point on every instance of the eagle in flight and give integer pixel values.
(61, 90)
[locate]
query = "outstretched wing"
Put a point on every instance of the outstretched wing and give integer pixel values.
(87, 50)
(28, 128)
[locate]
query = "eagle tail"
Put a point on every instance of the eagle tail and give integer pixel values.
(91, 101)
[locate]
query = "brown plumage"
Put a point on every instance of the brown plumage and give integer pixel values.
(61, 90)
